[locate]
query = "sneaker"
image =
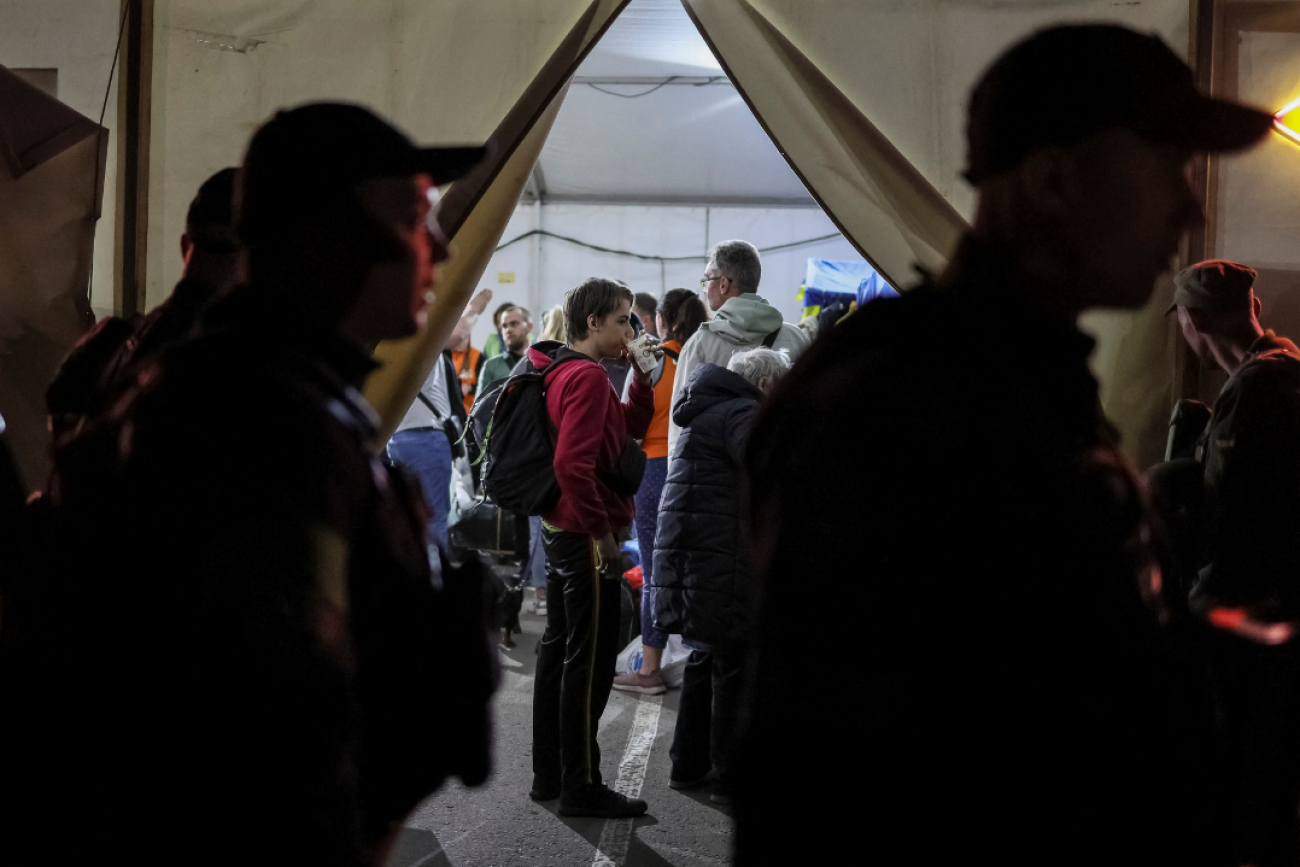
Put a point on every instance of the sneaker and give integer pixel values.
(600, 802)
(539, 607)
(721, 796)
(646, 684)
(543, 791)
(689, 782)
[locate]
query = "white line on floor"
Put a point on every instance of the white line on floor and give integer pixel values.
(617, 833)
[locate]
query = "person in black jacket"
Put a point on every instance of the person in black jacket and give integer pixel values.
(700, 587)
(1011, 689)
(1247, 582)
(248, 656)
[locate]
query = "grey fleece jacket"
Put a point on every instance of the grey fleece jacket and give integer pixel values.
(741, 323)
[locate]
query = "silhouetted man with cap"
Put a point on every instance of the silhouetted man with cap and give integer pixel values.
(1248, 585)
(271, 661)
(1008, 693)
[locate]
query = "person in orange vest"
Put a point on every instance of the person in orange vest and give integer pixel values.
(467, 360)
(469, 367)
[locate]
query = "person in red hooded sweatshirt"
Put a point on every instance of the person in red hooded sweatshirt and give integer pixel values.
(575, 663)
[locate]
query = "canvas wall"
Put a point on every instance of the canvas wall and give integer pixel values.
(909, 64)
(447, 72)
(77, 38)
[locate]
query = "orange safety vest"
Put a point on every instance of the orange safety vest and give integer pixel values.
(468, 363)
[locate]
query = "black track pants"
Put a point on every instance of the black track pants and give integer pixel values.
(575, 663)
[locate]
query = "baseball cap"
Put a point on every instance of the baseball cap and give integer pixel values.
(1064, 83)
(1215, 284)
(305, 160)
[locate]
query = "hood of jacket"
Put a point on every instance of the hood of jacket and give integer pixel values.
(744, 319)
(542, 354)
(709, 386)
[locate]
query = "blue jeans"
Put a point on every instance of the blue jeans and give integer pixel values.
(647, 519)
(426, 454)
(536, 562)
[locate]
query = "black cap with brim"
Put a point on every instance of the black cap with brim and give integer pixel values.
(305, 159)
(1208, 125)
(1066, 83)
(1215, 284)
(447, 164)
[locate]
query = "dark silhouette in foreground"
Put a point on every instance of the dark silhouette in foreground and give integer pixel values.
(1011, 688)
(243, 657)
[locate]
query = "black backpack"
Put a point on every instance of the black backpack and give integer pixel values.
(513, 439)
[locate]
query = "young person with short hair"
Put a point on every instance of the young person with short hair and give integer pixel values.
(575, 663)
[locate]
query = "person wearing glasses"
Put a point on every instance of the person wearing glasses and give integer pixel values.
(741, 319)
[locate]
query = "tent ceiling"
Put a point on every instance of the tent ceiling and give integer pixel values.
(683, 143)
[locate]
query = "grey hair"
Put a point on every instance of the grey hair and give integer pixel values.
(738, 260)
(761, 366)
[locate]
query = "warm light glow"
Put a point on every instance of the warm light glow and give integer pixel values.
(1287, 120)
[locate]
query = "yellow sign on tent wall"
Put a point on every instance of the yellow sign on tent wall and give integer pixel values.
(505, 276)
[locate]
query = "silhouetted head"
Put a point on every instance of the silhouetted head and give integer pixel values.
(337, 209)
(1079, 142)
(1216, 305)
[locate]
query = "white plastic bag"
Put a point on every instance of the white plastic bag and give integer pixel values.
(673, 666)
(629, 659)
(461, 489)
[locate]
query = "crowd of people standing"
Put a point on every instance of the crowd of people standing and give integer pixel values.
(910, 556)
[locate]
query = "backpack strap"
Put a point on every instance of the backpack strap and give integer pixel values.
(452, 383)
(771, 338)
(433, 409)
(662, 366)
(454, 396)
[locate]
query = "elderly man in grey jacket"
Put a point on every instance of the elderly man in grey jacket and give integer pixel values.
(742, 320)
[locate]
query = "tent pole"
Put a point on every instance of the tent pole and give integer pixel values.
(1204, 17)
(135, 98)
(536, 303)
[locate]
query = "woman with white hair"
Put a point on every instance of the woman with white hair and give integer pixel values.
(700, 587)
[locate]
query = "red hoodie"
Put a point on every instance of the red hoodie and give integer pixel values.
(593, 424)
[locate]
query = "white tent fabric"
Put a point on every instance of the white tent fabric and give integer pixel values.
(51, 180)
(909, 66)
(882, 203)
(446, 72)
(703, 147)
(628, 134)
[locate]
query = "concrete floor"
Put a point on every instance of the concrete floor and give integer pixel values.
(497, 825)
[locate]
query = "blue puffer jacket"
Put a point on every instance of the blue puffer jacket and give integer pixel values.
(701, 577)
